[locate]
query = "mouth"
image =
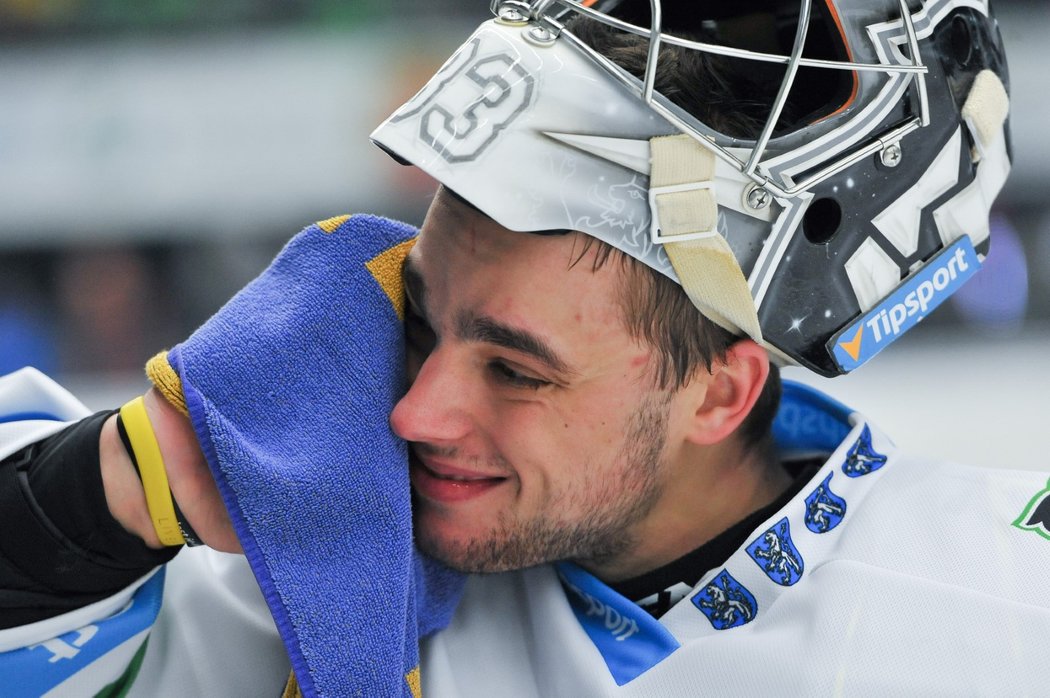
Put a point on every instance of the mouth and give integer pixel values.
(444, 483)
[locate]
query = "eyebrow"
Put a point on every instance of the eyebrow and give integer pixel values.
(472, 327)
(476, 328)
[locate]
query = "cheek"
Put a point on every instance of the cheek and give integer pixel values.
(536, 443)
(599, 421)
(549, 445)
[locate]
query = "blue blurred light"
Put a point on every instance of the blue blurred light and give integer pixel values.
(996, 299)
(25, 342)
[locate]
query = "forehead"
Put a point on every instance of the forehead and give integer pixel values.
(454, 227)
(455, 232)
(466, 259)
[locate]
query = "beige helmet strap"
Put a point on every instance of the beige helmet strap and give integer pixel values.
(985, 110)
(684, 206)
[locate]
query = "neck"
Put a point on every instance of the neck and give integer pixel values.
(716, 488)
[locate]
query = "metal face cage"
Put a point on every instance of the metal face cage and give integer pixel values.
(550, 16)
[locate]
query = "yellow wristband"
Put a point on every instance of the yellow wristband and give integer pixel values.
(151, 470)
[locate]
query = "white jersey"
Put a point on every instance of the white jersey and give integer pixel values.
(885, 575)
(911, 579)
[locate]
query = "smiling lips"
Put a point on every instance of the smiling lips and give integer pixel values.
(447, 484)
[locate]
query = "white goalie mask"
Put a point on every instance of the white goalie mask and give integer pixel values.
(857, 203)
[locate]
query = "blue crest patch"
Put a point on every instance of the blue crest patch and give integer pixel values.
(726, 603)
(776, 554)
(862, 457)
(824, 508)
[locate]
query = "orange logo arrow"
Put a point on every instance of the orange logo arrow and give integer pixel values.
(852, 347)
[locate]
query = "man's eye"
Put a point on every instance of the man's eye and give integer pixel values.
(418, 335)
(507, 375)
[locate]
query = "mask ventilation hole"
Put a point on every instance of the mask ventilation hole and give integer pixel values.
(821, 221)
(962, 42)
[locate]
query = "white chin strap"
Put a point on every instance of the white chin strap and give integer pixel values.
(685, 220)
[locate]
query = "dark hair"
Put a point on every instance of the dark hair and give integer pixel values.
(731, 96)
(656, 308)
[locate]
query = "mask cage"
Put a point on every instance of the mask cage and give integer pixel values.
(551, 16)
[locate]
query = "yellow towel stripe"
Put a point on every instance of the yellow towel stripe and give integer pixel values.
(167, 381)
(412, 678)
(329, 225)
(415, 684)
(385, 267)
(291, 689)
(151, 469)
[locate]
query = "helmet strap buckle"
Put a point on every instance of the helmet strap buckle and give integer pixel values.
(689, 205)
(685, 221)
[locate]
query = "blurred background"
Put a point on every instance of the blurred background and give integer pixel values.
(155, 154)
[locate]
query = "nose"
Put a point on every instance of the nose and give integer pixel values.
(435, 409)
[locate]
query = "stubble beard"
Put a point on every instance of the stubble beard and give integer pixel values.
(605, 506)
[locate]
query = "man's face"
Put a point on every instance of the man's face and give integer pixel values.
(536, 431)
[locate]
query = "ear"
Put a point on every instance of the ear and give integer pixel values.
(733, 387)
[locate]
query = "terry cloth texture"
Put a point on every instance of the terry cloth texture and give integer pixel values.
(289, 388)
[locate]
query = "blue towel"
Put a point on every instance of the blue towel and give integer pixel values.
(289, 388)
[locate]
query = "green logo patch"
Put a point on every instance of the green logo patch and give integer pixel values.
(1036, 516)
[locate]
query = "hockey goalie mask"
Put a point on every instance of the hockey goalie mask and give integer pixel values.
(856, 204)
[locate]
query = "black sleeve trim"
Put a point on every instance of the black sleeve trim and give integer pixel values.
(58, 541)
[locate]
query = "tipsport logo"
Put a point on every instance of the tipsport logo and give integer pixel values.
(907, 306)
